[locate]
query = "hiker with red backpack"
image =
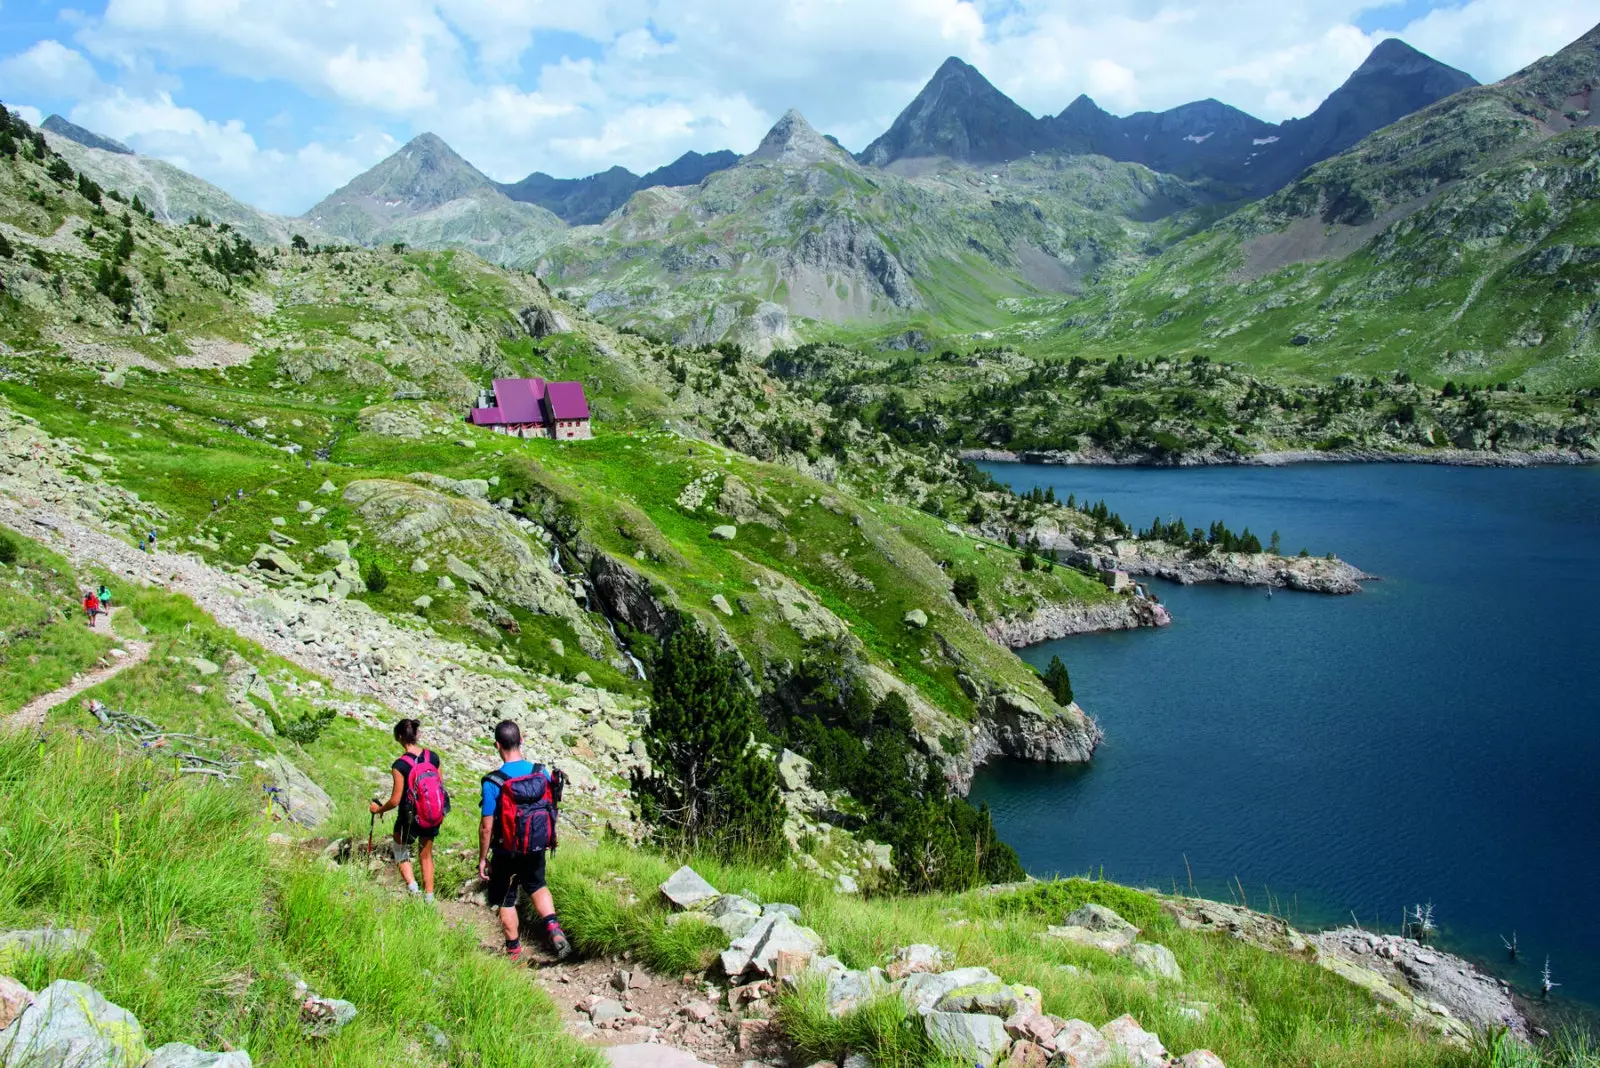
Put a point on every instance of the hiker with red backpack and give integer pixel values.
(423, 802)
(517, 831)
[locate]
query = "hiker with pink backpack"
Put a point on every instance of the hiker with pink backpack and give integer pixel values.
(423, 802)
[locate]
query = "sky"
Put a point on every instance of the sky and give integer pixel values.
(282, 101)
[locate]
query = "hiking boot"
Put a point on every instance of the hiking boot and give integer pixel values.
(514, 953)
(560, 945)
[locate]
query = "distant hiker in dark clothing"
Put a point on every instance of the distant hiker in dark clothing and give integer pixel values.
(519, 823)
(420, 796)
(152, 539)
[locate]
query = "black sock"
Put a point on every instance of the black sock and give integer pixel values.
(550, 921)
(513, 943)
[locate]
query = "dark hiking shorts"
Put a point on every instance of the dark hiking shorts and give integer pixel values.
(507, 873)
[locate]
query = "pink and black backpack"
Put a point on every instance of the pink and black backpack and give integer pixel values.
(429, 800)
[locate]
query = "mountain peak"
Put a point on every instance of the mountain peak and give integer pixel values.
(1394, 58)
(961, 115)
(87, 138)
(793, 140)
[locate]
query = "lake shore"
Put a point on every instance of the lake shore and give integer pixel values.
(1446, 457)
(1051, 621)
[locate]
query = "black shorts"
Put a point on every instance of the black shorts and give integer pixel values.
(506, 873)
(406, 831)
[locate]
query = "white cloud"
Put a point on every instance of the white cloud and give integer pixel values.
(225, 154)
(31, 115)
(657, 78)
(48, 69)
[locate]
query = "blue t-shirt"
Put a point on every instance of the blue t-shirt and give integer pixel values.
(491, 789)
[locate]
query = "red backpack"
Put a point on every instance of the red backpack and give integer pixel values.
(430, 801)
(525, 815)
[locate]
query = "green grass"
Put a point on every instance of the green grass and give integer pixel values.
(1269, 1010)
(195, 921)
(44, 641)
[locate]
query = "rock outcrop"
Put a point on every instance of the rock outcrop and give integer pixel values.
(1051, 621)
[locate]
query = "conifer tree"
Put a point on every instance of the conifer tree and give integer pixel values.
(709, 788)
(1058, 681)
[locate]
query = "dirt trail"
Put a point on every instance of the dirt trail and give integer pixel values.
(32, 714)
(664, 1021)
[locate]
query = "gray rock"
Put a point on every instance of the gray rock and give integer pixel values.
(780, 909)
(70, 1025)
(987, 999)
(720, 603)
(446, 583)
(419, 566)
(794, 771)
(269, 559)
(734, 915)
(1098, 918)
(916, 618)
(921, 991)
(686, 890)
(40, 942)
(183, 1055)
(335, 550)
(423, 603)
(607, 1009)
(857, 1060)
(326, 487)
(1097, 927)
(959, 1034)
(725, 532)
(846, 884)
(203, 666)
(757, 950)
(920, 957)
(321, 1017)
(1154, 960)
(301, 799)
(850, 990)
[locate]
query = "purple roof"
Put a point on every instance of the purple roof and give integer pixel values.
(519, 399)
(567, 400)
(486, 417)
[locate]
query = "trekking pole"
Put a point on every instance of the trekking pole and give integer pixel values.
(372, 821)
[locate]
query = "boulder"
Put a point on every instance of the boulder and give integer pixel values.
(921, 991)
(686, 890)
(734, 915)
(1079, 1045)
(39, 942)
(1027, 1055)
(720, 603)
(607, 1009)
(989, 999)
(335, 550)
(608, 737)
(301, 799)
(1097, 927)
(918, 958)
(183, 1055)
(1027, 1024)
(1154, 960)
(70, 1025)
(849, 990)
(794, 771)
(1138, 1047)
(967, 1035)
(326, 487)
(780, 909)
(1200, 1058)
(725, 532)
(757, 950)
(321, 1017)
(916, 618)
(14, 997)
(203, 666)
(269, 559)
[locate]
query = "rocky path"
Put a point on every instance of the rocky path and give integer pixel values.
(131, 652)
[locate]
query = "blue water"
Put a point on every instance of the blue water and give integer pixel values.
(1434, 738)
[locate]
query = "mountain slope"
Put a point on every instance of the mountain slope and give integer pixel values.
(173, 194)
(800, 228)
(1461, 242)
(961, 116)
(429, 197)
(87, 138)
(584, 201)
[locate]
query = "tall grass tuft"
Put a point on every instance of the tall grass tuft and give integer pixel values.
(197, 924)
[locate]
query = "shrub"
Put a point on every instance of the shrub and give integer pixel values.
(8, 549)
(375, 579)
(965, 588)
(307, 727)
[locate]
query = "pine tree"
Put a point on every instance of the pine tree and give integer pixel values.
(709, 788)
(1058, 682)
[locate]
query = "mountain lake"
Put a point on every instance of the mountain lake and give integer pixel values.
(1435, 738)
